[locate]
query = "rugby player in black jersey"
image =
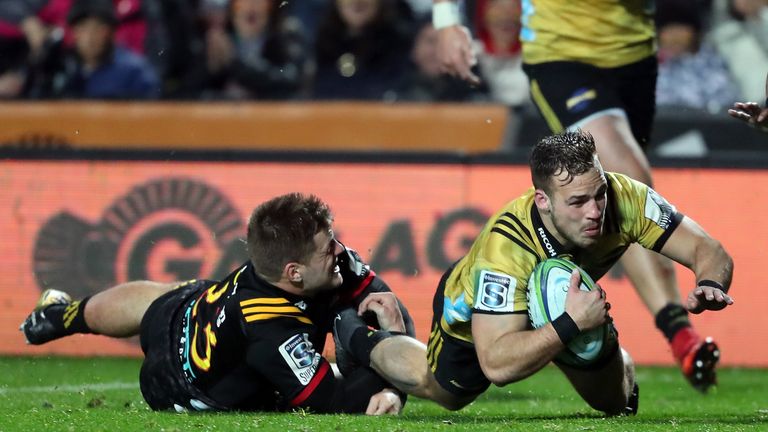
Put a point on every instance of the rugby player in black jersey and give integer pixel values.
(481, 333)
(254, 340)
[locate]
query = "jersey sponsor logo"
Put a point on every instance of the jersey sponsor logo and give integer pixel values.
(545, 241)
(301, 357)
(659, 210)
(496, 293)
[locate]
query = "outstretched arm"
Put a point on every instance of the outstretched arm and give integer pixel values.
(692, 247)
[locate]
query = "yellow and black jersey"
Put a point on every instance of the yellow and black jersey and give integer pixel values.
(603, 33)
(493, 277)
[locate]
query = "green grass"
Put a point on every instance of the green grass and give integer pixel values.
(101, 394)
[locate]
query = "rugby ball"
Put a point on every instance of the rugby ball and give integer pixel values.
(547, 290)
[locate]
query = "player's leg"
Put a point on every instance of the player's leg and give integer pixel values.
(610, 388)
(115, 312)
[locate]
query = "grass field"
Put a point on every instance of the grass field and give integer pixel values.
(101, 394)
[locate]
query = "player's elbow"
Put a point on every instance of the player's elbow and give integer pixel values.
(501, 373)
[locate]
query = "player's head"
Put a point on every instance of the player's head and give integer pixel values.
(290, 239)
(570, 187)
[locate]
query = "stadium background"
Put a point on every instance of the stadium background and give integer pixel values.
(98, 193)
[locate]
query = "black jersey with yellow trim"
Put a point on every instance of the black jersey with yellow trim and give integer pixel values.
(252, 346)
(492, 277)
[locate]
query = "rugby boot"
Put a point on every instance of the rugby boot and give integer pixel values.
(699, 365)
(633, 404)
(37, 328)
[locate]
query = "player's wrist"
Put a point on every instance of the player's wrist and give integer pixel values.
(566, 328)
(712, 284)
(445, 14)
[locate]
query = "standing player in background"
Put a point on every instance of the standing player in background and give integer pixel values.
(751, 112)
(592, 66)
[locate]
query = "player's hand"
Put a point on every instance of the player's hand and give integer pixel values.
(384, 305)
(751, 113)
(588, 309)
(707, 298)
(384, 402)
(352, 267)
(454, 51)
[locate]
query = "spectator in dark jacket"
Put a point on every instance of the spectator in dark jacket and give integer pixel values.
(96, 67)
(260, 54)
(362, 50)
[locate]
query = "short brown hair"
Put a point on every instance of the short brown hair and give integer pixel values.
(569, 152)
(282, 230)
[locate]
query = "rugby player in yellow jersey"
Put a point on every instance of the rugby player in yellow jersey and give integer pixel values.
(574, 211)
(592, 66)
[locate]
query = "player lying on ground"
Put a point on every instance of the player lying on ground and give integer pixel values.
(252, 341)
(574, 211)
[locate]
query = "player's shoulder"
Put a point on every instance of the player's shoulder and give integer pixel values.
(619, 181)
(269, 309)
(624, 187)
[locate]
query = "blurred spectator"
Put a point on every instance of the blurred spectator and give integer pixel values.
(36, 20)
(362, 50)
(691, 73)
(96, 67)
(13, 70)
(33, 21)
(425, 82)
(742, 40)
(260, 55)
(500, 60)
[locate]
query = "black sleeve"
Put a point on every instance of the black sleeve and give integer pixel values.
(378, 285)
(348, 395)
(283, 354)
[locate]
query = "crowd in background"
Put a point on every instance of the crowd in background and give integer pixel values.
(712, 52)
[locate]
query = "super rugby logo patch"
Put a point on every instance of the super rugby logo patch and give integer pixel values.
(301, 357)
(658, 209)
(496, 292)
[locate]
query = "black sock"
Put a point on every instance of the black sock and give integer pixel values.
(68, 318)
(671, 319)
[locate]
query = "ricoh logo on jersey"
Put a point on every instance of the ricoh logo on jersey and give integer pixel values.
(547, 244)
(166, 229)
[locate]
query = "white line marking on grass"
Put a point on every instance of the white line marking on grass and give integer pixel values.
(70, 388)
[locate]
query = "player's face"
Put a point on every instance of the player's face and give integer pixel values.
(577, 209)
(321, 273)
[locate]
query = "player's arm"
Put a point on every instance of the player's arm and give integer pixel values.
(371, 296)
(454, 42)
(509, 350)
(304, 378)
(692, 247)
